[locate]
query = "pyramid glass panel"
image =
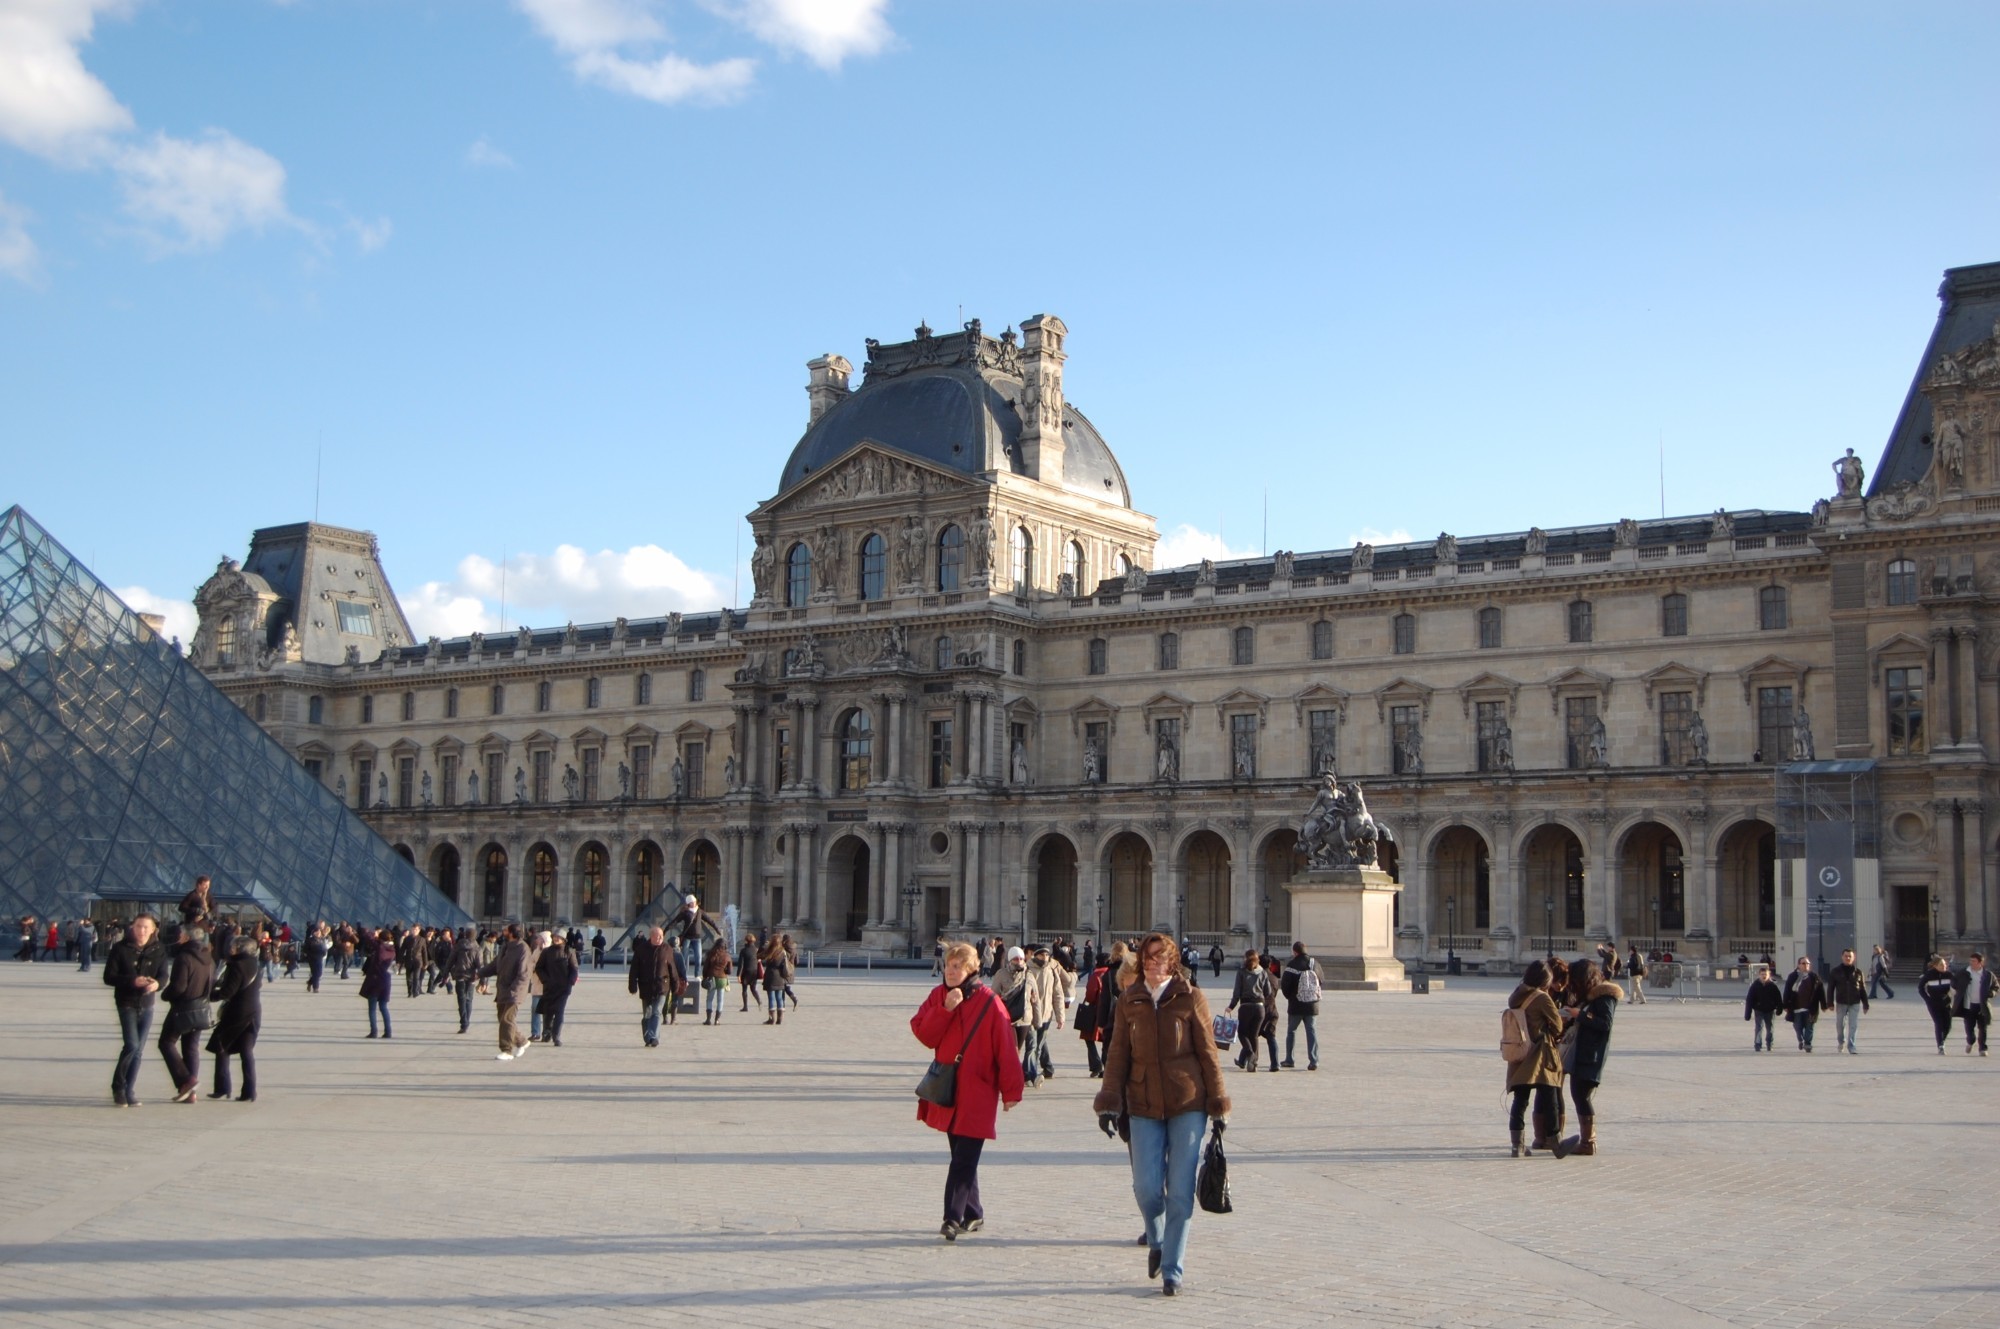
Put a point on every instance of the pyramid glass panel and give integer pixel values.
(124, 773)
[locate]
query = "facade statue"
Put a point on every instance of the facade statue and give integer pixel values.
(340, 788)
(1848, 475)
(1802, 739)
(1093, 763)
(911, 548)
(680, 777)
(382, 790)
(1135, 578)
(1168, 763)
(979, 545)
(1323, 757)
(520, 785)
(1205, 575)
(1281, 565)
(1951, 451)
(1337, 830)
(1446, 549)
(1364, 557)
(426, 787)
(1066, 585)
(1723, 526)
(624, 782)
(826, 559)
(572, 786)
(729, 771)
(1537, 542)
(1697, 740)
(1597, 747)
(763, 567)
(472, 788)
(1625, 535)
(1412, 749)
(1503, 747)
(1019, 760)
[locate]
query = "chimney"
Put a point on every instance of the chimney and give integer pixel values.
(828, 385)
(1042, 359)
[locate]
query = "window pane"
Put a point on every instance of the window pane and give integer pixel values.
(941, 753)
(1405, 741)
(951, 558)
(1406, 634)
(1902, 578)
(1579, 724)
(1771, 608)
(1489, 629)
(1170, 650)
(1905, 711)
(1322, 640)
(1579, 621)
(1774, 725)
(1243, 746)
(1245, 646)
(798, 576)
(1676, 719)
(358, 619)
(1673, 615)
(1323, 747)
(1097, 663)
(874, 567)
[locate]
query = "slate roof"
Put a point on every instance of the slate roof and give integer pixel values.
(1968, 312)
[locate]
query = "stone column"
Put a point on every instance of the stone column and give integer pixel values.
(1508, 890)
(896, 739)
(977, 894)
(1945, 682)
(1701, 884)
(1600, 896)
(1967, 684)
(810, 747)
(958, 861)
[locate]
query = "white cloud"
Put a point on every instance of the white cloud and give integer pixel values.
(1370, 536)
(618, 43)
(570, 585)
(203, 189)
(483, 153)
(371, 236)
(1187, 544)
(19, 258)
(50, 104)
(180, 614)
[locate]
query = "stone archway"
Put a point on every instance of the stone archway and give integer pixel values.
(446, 869)
(1278, 861)
(1055, 886)
(1461, 903)
(846, 911)
(701, 871)
(493, 881)
(1652, 887)
(1128, 870)
(1205, 872)
(1552, 879)
(1746, 864)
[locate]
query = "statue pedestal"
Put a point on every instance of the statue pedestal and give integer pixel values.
(1345, 916)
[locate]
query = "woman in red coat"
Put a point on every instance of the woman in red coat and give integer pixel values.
(962, 1018)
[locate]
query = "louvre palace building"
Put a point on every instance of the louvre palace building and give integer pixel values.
(964, 700)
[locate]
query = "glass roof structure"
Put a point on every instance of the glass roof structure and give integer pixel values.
(124, 773)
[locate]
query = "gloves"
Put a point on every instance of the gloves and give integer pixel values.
(1108, 1123)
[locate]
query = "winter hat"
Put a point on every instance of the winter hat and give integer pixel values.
(1015, 953)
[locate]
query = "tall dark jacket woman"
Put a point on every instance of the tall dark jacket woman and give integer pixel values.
(1593, 1033)
(186, 995)
(556, 967)
(1938, 988)
(241, 992)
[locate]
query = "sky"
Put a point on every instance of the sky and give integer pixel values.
(531, 286)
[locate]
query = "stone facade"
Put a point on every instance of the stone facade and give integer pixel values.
(962, 699)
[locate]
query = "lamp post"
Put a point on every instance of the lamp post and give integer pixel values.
(1097, 921)
(1267, 923)
(1654, 945)
(1024, 919)
(1549, 914)
(1180, 918)
(1934, 923)
(913, 894)
(1451, 935)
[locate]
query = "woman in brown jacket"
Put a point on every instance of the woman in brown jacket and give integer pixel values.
(1161, 1072)
(1541, 1071)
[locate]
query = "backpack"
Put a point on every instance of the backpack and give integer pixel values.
(1307, 988)
(1515, 1045)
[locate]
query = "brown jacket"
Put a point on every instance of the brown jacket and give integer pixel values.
(1545, 1025)
(1161, 1060)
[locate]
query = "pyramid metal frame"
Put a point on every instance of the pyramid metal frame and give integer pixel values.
(125, 772)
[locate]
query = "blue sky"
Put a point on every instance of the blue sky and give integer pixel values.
(539, 280)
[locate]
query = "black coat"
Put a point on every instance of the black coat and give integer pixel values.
(1938, 989)
(557, 970)
(1288, 983)
(187, 988)
(241, 994)
(1805, 997)
(127, 964)
(1765, 998)
(1593, 1032)
(655, 971)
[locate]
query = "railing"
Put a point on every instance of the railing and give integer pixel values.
(1728, 948)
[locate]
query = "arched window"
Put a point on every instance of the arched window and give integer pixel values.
(1902, 581)
(642, 690)
(798, 576)
(1773, 609)
(951, 558)
(1580, 624)
(856, 738)
(493, 881)
(591, 866)
(1023, 546)
(1020, 656)
(1243, 646)
(225, 641)
(1489, 628)
(1073, 564)
(1170, 650)
(874, 567)
(499, 698)
(541, 882)
(697, 685)
(943, 655)
(1322, 640)
(1099, 660)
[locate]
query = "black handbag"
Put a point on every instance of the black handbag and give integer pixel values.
(1211, 1186)
(940, 1082)
(190, 1017)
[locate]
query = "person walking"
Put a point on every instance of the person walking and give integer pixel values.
(1938, 988)
(1590, 1019)
(378, 968)
(1047, 1000)
(1805, 998)
(134, 970)
(317, 947)
(749, 970)
(86, 944)
(557, 969)
(462, 969)
(1215, 959)
(597, 944)
(1163, 1082)
(186, 994)
(791, 968)
(509, 970)
(965, 1024)
(1974, 1002)
(1540, 1073)
(1849, 990)
(1635, 968)
(1301, 985)
(240, 991)
(715, 981)
(537, 943)
(1878, 973)
(1012, 987)
(777, 962)
(1761, 1005)
(1252, 1001)
(1086, 1013)
(650, 977)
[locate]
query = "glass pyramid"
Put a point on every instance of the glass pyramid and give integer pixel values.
(124, 773)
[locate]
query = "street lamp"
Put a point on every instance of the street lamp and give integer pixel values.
(1451, 935)
(913, 894)
(1654, 945)
(1024, 919)
(1180, 918)
(1267, 922)
(1549, 913)
(1934, 923)
(1097, 921)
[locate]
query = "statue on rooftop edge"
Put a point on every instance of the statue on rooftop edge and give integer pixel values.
(1848, 475)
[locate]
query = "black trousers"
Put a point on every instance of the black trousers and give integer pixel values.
(465, 987)
(1090, 1050)
(552, 1015)
(1548, 1099)
(246, 1051)
(182, 1049)
(961, 1180)
(1941, 1022)
(1579, 1094)
(1976, 1023)
(1249, 1024)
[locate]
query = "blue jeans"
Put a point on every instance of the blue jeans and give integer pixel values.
(134, 1024)
(464, 991)
(1805, 1028)
(1292, 1022)
(1846, 1023)
(381, 1003)
(535, 1019)
(713, 1005)
(1881, 980)
(1762, 1035)
(649, 1018)
(1165, 1155)
(774, 999)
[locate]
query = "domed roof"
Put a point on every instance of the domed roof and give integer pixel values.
(958, 415)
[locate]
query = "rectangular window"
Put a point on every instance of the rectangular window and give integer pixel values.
(1322, 640)
(495, 774)
(1243, 746)
(1170, 650)
(642, 690)
(697, 685)
(448, 780)
(406, 781)
(1676, 716)
(1096, 752)
(941, 753)
(781, 756)
(364, 772)
(316, 769)
(1323, 742)
(451, 703)
(315, 710)
(1403, 722)
(354, 618)
(593, 693)
(642, 770)
(1580, 623)
(1902, 578)
(1243, 646)
(590, 769)
(1674, 615)
(1405, 631)
(1773, 609)
(1579, 722)
(499, 698)
(1489, 629)
(1906, 711)
(367, 710)
(539, 781)
(1774, 725)
(1098, 660)
(694, 765)
(1491, 717)
(544, 695)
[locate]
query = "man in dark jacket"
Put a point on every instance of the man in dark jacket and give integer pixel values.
(1848, 986)
(509, 972)
(463, 970)
(133, 971)
(1805, 998)
(653, 976)
(186, 994)
(1301, 1007)
(1938, 988)
(1761, 1005)
(556, 967)
(1974, 1001)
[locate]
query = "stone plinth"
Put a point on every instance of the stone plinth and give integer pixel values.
(1346, 918)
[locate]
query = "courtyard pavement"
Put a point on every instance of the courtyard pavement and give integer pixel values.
(776, 1176)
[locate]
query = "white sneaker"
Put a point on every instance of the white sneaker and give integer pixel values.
(504, 1056)
(521, 1051)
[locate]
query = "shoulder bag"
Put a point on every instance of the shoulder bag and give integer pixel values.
(940, 1082)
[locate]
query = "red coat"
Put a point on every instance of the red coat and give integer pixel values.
(991, 1069)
